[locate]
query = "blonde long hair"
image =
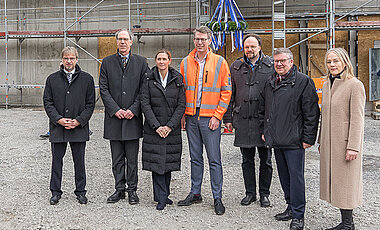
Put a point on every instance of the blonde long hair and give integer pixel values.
(348, 71)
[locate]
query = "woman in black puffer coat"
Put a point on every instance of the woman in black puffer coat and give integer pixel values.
(163, 105)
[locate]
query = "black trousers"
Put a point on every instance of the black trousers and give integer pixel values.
(290, 166)
(161, 186)
(58, 152)
(124, 153)
(265, 170)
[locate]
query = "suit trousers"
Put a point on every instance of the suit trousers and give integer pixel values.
(290, 166)
(265, 170)
(125, 153)
(161, 186)
(199, 134)
(58, 152)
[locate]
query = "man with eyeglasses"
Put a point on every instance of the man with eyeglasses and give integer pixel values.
(208, 91)
(121, 76)
(248, 75)
(69, 101)
(290, 114)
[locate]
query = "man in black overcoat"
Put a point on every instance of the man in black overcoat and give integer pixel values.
(248, 76)
(121, 76)
(69, 101)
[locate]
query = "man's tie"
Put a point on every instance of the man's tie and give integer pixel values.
(124, 59)
(69, 77)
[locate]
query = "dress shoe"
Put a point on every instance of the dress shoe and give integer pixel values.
(296, 224)
(219, 207)
(116, 196)
(160, 206)
(264, 201)
(133, 198)
(169, 201)
(55, 199)
(248, 199)
(190, 199)
(284, 216)
(82, 199)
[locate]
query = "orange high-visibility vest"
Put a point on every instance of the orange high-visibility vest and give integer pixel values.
(216, 87)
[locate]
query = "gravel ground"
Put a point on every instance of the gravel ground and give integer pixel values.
(25, 172)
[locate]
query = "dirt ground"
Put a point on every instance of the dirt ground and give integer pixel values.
(25, 162)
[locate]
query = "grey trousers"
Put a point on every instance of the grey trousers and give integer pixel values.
(199, 134)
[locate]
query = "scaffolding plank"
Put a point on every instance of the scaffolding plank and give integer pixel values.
(358, 23)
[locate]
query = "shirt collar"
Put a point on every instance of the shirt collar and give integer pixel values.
(66, 72)
(198, 60)
(121, 56)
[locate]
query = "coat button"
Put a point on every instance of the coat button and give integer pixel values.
(67, 110)
(124, 93)
(68, 92)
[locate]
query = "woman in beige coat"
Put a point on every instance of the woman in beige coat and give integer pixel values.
(341, 137)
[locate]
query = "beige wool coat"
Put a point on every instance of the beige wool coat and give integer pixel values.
(342, 128)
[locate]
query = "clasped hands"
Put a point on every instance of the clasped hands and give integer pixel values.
(68, 123)
(127, 114)
(163, 131)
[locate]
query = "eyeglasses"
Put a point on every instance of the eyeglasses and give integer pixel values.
(69, 59)
(123, 39)
(282, 61)
(203, 40)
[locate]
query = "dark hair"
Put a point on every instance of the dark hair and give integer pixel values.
(258, 38)
(165, 51)
(126, 30)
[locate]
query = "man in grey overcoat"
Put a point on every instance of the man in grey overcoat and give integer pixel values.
(121, 76)
(248, 76)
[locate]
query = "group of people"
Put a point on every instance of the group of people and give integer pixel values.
(269, 103)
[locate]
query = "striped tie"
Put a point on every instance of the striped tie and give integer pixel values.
(69, 77)
(124, 59)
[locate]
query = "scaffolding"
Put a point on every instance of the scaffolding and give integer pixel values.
(200, 7)
(198, 11)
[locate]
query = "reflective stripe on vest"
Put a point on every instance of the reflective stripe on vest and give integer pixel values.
(222, 104)
(190, 87)
(217, 70)
(185, 70)
(191, 105)
(205, 106)
(227, 87)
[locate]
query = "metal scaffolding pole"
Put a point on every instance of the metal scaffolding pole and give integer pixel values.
(6, 55)
(129, 15)
(64, 24)
(332, 24)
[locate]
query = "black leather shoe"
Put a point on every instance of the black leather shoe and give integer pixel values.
(82, 199)
(160, 206)
(284, 216)
(190, 199)
(296, 224)
(264, 202)
(55, 199)
(248, 199)
(169, 201)
(133, 198)
(219, 207)
(116, 196)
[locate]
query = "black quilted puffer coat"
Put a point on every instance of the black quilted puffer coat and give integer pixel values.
(162, 106)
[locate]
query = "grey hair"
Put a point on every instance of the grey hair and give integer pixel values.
(126, 30)
(69, 50)
(283, 51)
